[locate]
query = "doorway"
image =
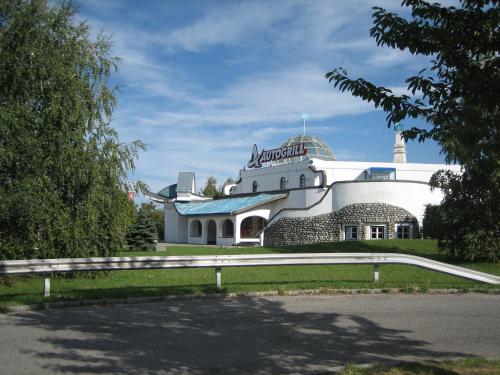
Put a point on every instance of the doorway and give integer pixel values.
(211, 232)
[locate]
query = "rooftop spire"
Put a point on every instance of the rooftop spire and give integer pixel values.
(304, 116)
(399, 146)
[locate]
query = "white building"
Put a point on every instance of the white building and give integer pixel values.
(299, 193)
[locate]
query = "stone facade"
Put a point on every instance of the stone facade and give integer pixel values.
(289, 231)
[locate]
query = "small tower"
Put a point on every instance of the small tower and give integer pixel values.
(399, 146)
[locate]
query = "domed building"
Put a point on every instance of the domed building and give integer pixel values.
(316, 148)
(299, 193)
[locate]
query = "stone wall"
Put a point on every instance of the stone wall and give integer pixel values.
(289, 231)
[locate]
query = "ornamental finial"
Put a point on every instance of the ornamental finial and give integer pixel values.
(399, 127)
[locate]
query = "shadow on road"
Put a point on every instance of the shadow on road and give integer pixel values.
(231, 336)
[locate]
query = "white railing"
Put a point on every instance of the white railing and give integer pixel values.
(48, 266)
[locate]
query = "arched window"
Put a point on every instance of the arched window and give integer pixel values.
(254, 186)
(302, 180)
(282, 183)
(251, 227)
(195, 228)
(228, 228)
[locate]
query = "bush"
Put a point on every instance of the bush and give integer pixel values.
(432, 222)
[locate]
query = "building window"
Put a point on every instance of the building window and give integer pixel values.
(246, 230)
(282, 183)
(378, 173)
(403, 231)
(196, 228)
(302, 180)
(254, 186)
(228, 229)
(351, 232)
(377, 232)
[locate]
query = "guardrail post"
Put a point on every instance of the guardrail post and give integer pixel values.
(376, 275)
(46, 287)
(218, 277)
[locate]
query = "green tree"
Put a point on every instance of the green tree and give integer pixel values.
(157, 216)
(142, 235)
(457, 97)
(211, 189)
(63, 171)
(433, 221)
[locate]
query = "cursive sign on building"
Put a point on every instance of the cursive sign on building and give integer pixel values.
(266, 156)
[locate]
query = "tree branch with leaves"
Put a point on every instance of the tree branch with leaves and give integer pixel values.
(457, 97)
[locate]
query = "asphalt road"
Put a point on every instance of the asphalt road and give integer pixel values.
(249, 335)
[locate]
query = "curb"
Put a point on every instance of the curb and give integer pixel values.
(304, 292)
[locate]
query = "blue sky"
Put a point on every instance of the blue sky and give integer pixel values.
(202, 81)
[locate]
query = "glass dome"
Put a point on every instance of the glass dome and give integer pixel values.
(316, 148)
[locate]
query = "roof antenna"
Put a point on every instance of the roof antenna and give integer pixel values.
(304, 116)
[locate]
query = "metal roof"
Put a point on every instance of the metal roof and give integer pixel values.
(169, 192)
(228, 206)
(186, 182)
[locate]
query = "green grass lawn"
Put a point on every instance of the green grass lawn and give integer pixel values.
(469, 366)
(140, 283)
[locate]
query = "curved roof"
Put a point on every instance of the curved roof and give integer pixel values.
(316, 148)
(227, 206)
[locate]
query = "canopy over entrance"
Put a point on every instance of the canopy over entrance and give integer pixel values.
(226, 206)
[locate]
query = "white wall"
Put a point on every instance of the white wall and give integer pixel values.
(268, 178)
(352, 170)
(412, 196)
(175, 225)
(194, 239)
(302, 199)
(225, 241)
(408, 195)
(262, 212)
(219, 221)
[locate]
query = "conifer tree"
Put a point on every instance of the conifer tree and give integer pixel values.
(142, 234)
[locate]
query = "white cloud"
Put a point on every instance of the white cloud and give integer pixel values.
(388, 57)
(266, 99)
(306, 26)
(209, 128)
(228, 25)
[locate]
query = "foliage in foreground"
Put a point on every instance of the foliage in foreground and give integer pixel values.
(457, 97)
(62, 168)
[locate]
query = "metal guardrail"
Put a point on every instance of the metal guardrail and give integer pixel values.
(47, 266)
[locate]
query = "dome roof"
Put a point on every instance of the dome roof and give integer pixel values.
(316, 148)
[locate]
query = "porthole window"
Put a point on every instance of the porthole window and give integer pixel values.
(302, 180)
(282, 183)
(254, 186)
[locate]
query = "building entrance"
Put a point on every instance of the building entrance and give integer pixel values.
(211, 233)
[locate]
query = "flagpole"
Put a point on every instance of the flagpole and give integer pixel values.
(304, 116)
